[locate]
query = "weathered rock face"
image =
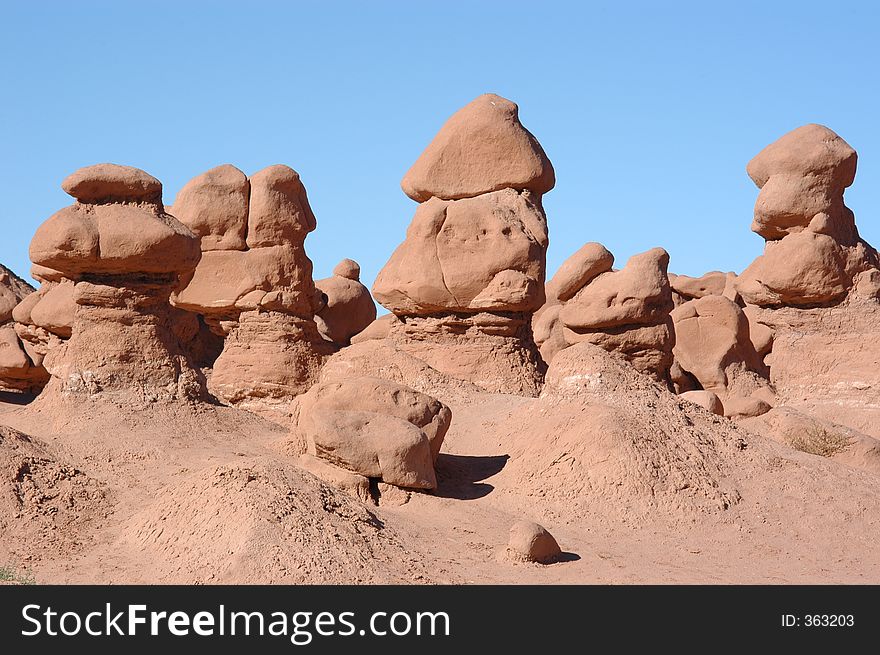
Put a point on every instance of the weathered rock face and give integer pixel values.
(825, 361)
(20, 370)
(625, 311)
(714, 345)
(214, 206)
(118, 256)
(813, 253)
(375, 428)
(686, 288)
(470, 273)
(253, 285)
(349, 308)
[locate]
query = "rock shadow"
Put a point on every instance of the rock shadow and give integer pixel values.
(459, 476)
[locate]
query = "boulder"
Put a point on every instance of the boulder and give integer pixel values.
(579, 270)
(376, 428)
(112, 184)
(482, 148)
(712, 341)
(214, 205)
(531, 542)
(708, 400)
(378, 396)
(802, 269)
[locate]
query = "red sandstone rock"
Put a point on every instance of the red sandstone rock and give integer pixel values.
(531, 542)
(111, 183)
(482, 148)
(350, 307)
(579, 270)
(279, 210)
(123, 255)
(376, 428)
(214, 205)
(483, 253)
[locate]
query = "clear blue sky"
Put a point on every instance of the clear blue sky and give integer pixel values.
(648, 110)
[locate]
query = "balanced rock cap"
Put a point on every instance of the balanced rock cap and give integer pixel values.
(483, 147)
(349, 269)
(103, 183)
(809, 149)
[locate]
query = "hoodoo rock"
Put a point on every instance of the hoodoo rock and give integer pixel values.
(20, 368)
(253, 285)
(813, 253)
(376, 428)
(123, 255)
(349, 308)
(625, 311)
(470, 273)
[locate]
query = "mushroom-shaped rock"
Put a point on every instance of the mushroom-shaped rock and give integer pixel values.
(122, 255)
(470, 272)
(482, 148)
(214, 205)
(254, 284)
(531, 542)
(350, 307)
(376, 428)
(813, 252)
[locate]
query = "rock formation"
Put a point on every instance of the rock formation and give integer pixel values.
(20, 365)
(530, 542)
(470, 273)
(625, 311)
(123, 255)
(375, 428)
(349, 308)
(713, 344)
(253, 285)
(813, 255)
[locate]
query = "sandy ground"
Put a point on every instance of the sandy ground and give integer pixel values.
(799, 519)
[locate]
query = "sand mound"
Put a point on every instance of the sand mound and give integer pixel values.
(258, 522)
(43, 502)
(604, 438)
